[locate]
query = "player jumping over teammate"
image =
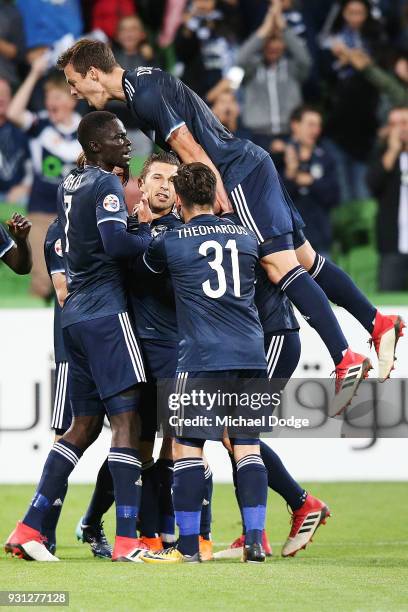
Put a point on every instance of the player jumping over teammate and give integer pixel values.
(174, 117)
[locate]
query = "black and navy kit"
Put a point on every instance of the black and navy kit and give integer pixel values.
(153, 307)
(161, 103)
(54, 259)
(279, 323)
(6, 241)
(103, 353)
(212, 267)
(151, 296)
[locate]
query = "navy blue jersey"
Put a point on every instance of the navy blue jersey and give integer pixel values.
(161, 103)
(212, 267)
(152, 297)
(87, 198)
(6, 242)
(54, 260)
(274, 307)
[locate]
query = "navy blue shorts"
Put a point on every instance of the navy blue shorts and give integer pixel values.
(264, 206)
(62, 413)
(104, 362)
(282, 350)
(160, 358)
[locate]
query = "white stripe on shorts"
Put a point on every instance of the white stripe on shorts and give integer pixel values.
(60, 396)
(244, 213)
(132, 347)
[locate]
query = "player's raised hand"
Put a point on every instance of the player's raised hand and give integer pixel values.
(19, 227)
(142, 210)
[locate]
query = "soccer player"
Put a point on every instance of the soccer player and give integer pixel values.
(153, 307)
(174, 117)
(105, 363)
(102, 499)
(211, 263)
(15, 248)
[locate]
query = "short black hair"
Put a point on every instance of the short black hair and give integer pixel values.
(162, 157)
(91, 128)
(297, 114)
(195, 184)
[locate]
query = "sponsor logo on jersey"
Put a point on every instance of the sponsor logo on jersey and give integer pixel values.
(58, 247)
(111, 203)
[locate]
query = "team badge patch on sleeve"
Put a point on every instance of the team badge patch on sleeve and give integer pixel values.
(111, 203)
(58, 247)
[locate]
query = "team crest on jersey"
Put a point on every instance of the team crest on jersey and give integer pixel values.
(111, 203)
(58, 247)
(158, 229)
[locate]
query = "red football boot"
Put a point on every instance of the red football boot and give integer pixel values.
(129, 549)
(351, 370)
(28, 543)
(388, 329)
(305, 521)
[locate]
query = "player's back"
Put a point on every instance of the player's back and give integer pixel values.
(161, 103)
(87, 197)
(212, 264)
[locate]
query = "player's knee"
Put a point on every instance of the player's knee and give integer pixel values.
(84, 431)
(306, 255)
(277, 265)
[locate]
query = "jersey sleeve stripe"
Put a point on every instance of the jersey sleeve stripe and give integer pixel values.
(58, 271)
(173, 129)
(8, 246)
(151, 269)
(111, 219)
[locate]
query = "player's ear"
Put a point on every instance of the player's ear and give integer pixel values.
(140, 184)
(94, 146)
(93, 73)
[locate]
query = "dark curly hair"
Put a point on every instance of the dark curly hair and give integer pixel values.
(195, 184)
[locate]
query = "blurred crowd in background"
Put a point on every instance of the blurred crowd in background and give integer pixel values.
(320, 84)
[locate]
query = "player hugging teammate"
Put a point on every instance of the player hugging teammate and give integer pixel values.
(87, 250)
(207, 297)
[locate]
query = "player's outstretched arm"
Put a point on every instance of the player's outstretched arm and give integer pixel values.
(189, 150)
(19, 258)
(118, 243)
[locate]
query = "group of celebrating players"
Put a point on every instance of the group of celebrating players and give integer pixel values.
(197, 283)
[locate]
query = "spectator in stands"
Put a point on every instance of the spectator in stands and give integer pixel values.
(352, 116)
(106, 14)
(205, 44)
(14, 179)
(11, 41)
(132, 48)
(54, 150)
(226, 109)
(392, 84)
(310, 176)
(388, 180)
(276, 62)
(47, 21)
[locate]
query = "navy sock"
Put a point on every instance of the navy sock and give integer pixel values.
(50, 520)
(314, 306)
(205, 523)
(279, 478)
(60, 462)
(102, 498)
(234, 479)
(125, 468)
(252, 486)
(167, 522)
(188, 495)
(149, 505)
(341, 290)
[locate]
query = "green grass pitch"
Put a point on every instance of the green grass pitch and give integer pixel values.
(358, 562)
